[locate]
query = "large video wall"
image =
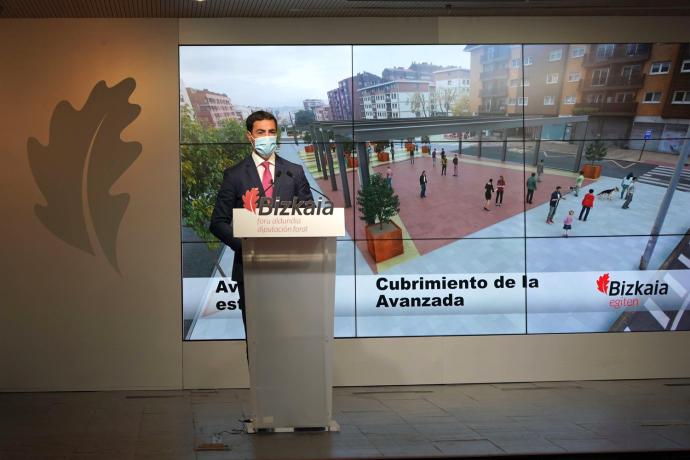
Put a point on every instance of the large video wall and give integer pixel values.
(534, 188)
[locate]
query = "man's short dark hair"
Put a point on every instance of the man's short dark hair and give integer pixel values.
(259, 115)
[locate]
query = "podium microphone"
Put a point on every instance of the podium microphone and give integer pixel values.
(291, 176)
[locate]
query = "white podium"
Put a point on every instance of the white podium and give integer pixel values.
(289, 283)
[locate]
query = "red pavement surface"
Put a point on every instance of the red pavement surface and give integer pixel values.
(453, 207)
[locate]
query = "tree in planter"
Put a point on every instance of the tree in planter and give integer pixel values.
(380, 146)
(596, 151)
(377, 202)
(306, 137)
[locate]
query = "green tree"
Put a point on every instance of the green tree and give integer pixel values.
(461, 106)
(205, 153)
(596, 151)
(306, 137)
(380, 146)
(303, 118)
(377, 202)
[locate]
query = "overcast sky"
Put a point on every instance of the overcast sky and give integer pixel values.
(286, 75)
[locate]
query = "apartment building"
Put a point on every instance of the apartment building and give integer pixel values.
(613, 76)
(572, 75)
(451, 84)
(663, 111)
(510, 80)
(344, 102)
(397, 99)
(212, 108)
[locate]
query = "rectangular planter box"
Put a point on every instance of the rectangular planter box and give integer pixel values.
(383, 156)
(384, 244)
(592, 171)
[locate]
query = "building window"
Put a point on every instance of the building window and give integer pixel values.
(569, 100)
(577, 52)
(551, 78)
(556, 55)
(652, 97)
(512, 101)
(515, 82)
(515, 63)
(681, 97)
(625, 97)
(599, 77)
(528, 60)
(605, 51)
(659, 68)
(685, 66)
(525, 82)
(574, 76)
(549, 100)
(522, 101)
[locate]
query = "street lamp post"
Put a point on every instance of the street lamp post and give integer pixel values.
(665, 202)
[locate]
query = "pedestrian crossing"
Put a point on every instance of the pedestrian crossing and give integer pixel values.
(661, 176)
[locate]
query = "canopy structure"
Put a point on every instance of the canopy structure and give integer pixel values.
(360, 132)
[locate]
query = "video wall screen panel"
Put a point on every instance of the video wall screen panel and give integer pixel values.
(541, 188)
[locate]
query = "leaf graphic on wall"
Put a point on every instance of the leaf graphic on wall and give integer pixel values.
(76, 170)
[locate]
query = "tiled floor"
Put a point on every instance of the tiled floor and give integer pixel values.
(452, 420)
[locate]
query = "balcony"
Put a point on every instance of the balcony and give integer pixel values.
(502, 53)
(614, 83)
(605, 108)
(621, 55)
(494, 92)
(492, 111)
(494, 74)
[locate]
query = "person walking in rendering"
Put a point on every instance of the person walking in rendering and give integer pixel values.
(568, 223)
(411, 155)
(455, 165)
(531, 187)
(500, 187)
(540, 170)
(433, 158)
(587, 204)
(629, 194)
(488, 191)
(389, 177)
(422, 184)
(578, 182)
(556, 197)
(625, 183)
(444, 163)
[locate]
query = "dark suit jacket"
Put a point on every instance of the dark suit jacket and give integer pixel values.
(238, 179)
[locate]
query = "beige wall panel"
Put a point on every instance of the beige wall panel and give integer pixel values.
(575, 29)
(307, 31)
(215, 365)
(70, 320)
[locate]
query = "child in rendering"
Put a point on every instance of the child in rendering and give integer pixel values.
(568, 223)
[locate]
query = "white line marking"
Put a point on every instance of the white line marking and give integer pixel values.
(679, 314)
(684, 260)
(675, 285)
(657, 312)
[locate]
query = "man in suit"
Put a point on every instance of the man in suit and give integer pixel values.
(275, 178)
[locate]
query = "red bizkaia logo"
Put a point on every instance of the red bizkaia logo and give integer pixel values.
(250, 199)
(603, 283)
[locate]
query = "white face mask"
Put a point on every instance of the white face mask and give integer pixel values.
(265, 146)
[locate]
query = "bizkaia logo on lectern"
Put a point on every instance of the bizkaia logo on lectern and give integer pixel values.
(622, 289)
(265, 206)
